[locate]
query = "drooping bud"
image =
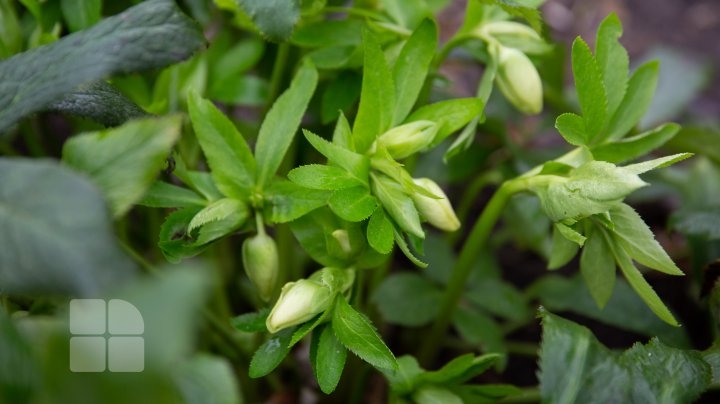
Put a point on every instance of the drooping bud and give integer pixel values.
(408, 139)
(513, 35)
(302, 300)
(518, 79)
(260, 259)
(438, 212)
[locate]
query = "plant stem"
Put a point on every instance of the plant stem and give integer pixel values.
(473, 246)
(277, 74)
(528, 395)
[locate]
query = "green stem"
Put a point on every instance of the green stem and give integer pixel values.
(469, 197)
(474, 244)
(528, 395)
(276, 77)
(522, 348)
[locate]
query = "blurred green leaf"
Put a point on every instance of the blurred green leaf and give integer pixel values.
(638, 97)
(251, 322)
(60, 231)
(164, 195)
(124, 161)
(407, 299)
(160, 35)
(19, 374)
(274, 18)
(411, 68)
(208, 379)
(99, 102)
(81, 14)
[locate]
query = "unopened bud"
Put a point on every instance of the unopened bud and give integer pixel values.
(509, 32)
(408, 139)
(260, 258)
(343, 239)
(299, 302)
(438, 212)
(518, 79)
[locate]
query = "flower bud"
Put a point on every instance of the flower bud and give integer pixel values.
(518, 79)
(513, 35)
(408, 139)
(260, 259)
(438, 212)
(299, 302)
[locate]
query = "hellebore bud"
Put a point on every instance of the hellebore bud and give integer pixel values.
(438, 212)
(518, 79)
(260, 259)
(512, 34)
(408, 139)
(302, 300)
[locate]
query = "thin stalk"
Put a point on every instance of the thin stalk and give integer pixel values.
(473, 246)
(276, 77)
(528, 395)
(469, 197)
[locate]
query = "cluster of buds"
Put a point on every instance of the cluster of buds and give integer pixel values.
(304, 299)
(516, 77)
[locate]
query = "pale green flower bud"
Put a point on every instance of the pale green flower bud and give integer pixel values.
(499, 29)
(299, 302)
(518, 79)
(260, 259)
(438, 212)
(408, 139)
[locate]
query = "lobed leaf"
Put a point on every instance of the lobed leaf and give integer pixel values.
(636, 146)
(380, 232)
(572, 128)
(613, 61)
(317, 176)
(636, 101)
(353, 204)
(590, 89)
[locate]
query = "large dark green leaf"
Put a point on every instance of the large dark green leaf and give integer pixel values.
(407, 299)
(159, 33)
(576, 368)
(274, 18)
(100, 102)
(55, 231)
(124, 161)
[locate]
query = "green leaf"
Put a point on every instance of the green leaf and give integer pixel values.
(160, 34)
(638, 97)
(328, 33)
(124, 161)
(219, 210)
(636, 238)
(81, 14)
(572, 128)
(289, 201)
(251, 322)
(315, 231)
(499, 298)
(164, 195)
(353, 204)
(57, 231)
(208, 378)
(99, 102)
(340, 96)
(19, 374)
(231, 162)
(435, 395)
(322, 177)
(590, 89)
(461, 369)
(402, 244)
(377, 96)
(598, 267)
(625, 310)
(380, 232)
(576, 368)
(327, 358)
(562, 250)
(275, 19)
(403, 380)
(356, 164)
(269, 355)
(407, 299)
(641, 286)
(173, 239)
(478, 328)
(282, 121)
(645, 166)
(398, 204)
(636, 146)
(613, 61)
(358, 335)
(526, 9)
(570, 234)
(411, 68)
(450, 115)
(699, 222)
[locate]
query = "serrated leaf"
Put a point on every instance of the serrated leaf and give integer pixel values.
(289, 201)
(645, 166)
(398, 204)
(636, 238)
(590, 89)
(450, 115)
(380, 232)
(357, 164)
(358, 335)
(173, 240)
(99, 102)
(251, 322)
(282, 121)
(269, 355)
(635, 146)
(275, 19)
(639, 94)
(572, 128)
(353, 204)
(407, 299)
(576, 368)
(377, 96)
(322, 177)
(232, 165)
(58, 226)
(526, 9)
(327, 358)
(124, 161)
(217, 211)
(411, 68)
(403, 246)
(598, 267)
(160, 34)
(164, 195)
(613, 61)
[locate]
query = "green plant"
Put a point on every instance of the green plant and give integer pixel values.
(198, 179)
